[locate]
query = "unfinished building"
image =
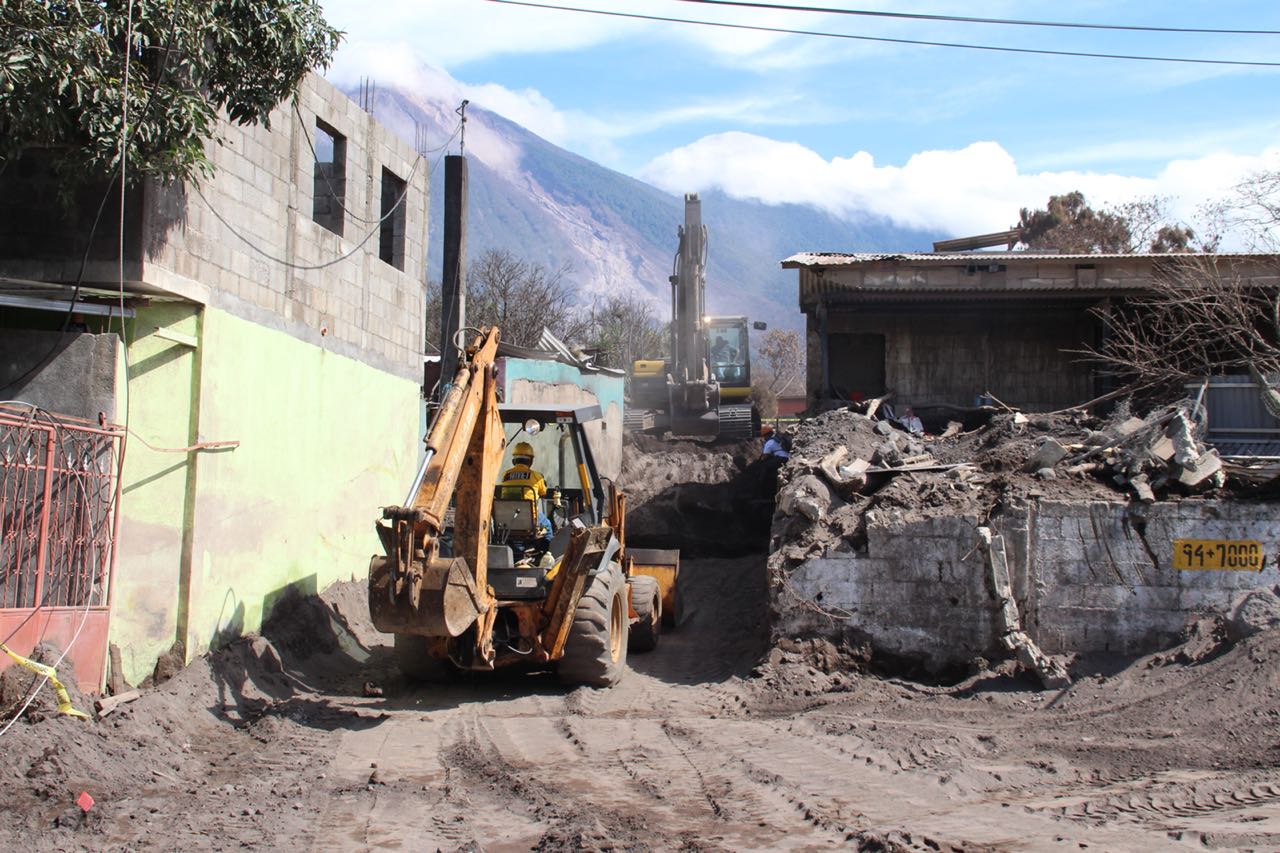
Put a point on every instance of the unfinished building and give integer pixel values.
(268, 369)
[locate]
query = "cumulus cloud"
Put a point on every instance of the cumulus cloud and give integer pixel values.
(971, 190)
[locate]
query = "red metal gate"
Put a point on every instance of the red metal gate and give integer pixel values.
(59, 502)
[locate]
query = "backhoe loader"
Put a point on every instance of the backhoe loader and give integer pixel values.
(476, 577)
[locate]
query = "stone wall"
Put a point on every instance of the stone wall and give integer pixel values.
(1087, 577)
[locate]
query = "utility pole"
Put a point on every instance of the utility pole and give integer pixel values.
(453, 290)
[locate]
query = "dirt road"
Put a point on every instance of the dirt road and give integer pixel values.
(703, 747)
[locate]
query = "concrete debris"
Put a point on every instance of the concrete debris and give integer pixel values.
(1146, 456)
(1049, 454)
(808, 496)
(1052, 674)
(1252, 613)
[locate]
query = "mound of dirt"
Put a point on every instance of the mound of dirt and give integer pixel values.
(17, 684)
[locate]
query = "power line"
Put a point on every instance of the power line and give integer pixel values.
(964, 19)
(340, 258)
(885, 39)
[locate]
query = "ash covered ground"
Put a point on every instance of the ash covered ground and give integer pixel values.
(718, 740)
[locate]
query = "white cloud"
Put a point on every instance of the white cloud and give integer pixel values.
(972, 190)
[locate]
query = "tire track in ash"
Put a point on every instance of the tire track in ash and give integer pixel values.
(573, 800)
(1171, 797)
(764, 795)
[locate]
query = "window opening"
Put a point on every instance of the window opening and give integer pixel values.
(391, 223)
(330, 178)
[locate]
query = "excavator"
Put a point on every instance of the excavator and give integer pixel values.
(475, 577)
(704, 387)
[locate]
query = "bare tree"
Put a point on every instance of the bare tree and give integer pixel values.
(625, 327)
(1202, 317)
(1251, 210)
(519, 297)
(779, 360)
(1152, 227)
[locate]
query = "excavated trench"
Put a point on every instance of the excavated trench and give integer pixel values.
(712, 499)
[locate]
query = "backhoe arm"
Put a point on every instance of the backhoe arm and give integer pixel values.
(413, 589)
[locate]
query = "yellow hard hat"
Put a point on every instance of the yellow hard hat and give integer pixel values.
(524, 448)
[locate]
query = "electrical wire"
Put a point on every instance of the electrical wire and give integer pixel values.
(887, 40)
(125, 138)
(964, 19)
(334, 261)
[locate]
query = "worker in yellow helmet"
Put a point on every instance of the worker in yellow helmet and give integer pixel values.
(521, 482)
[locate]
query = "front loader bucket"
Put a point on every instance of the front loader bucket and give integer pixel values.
(435, 599)
(662, 565)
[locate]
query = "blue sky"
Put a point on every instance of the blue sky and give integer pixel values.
(928, 136)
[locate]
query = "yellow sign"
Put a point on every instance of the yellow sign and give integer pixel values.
(1240, 555)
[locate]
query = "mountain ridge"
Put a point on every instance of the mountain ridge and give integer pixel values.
(552, 207)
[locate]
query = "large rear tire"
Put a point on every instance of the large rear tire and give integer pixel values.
(646, 600)
(417, 664)
(595, 652)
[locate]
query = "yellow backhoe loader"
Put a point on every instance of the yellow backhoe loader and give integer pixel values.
(477, 576)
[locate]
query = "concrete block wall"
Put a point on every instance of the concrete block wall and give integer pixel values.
(1104, 576)
(245, 240)
(1087, 577)
(918, 589)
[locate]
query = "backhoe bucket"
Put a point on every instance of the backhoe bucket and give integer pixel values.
(435, 599)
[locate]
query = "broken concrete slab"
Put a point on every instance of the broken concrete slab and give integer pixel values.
(1204, 467)
(1050, 453)
(1252, 613)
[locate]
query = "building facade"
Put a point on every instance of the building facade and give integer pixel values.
(945, 329)
(268, 364)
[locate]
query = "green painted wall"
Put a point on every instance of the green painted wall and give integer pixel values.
(324, 442)
(154, 511)
(211, 540)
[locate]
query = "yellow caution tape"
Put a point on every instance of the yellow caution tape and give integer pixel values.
(64, 701)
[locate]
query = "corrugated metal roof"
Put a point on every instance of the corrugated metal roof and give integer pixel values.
(848, 259)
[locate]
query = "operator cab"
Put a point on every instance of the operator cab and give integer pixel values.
(530, 527)
(730, 354)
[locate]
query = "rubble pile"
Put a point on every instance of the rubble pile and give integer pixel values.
(846, 466)
(851, 475)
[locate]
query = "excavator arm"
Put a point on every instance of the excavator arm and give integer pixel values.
(413, 589)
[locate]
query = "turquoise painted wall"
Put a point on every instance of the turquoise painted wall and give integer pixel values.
(535, 381)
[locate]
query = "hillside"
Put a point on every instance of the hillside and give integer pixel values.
(550, 206)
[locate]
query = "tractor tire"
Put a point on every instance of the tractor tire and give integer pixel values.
(595, 652)
(417, 664)
(646, 600)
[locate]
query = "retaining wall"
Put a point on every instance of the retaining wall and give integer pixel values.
(1087, 577)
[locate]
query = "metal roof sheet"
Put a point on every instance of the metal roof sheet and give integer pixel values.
(847, 259)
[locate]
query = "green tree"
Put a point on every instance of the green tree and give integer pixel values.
(1068, 224)
(62, 77)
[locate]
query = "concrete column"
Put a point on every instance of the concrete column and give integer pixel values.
(453, 302)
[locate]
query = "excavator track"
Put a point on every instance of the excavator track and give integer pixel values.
(737, 422)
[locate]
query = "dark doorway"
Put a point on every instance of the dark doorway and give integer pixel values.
(855, 364)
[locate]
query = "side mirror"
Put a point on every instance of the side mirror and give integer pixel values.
(759, 325)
